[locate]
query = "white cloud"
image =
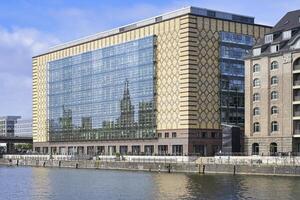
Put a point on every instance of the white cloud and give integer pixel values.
(17, 46)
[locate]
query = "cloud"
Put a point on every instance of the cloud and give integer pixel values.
(17, 46)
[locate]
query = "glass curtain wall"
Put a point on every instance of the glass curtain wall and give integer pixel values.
(233, 48)
(104, 94)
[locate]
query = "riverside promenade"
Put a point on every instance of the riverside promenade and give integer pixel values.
(255, 165)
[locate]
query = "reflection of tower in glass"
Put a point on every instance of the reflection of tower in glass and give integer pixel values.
(66, 121)
(126, 119)
(146, 118)
(86, 123)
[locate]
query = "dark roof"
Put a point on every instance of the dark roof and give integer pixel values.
(288, 22)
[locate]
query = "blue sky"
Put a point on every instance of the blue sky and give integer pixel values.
(28, 27)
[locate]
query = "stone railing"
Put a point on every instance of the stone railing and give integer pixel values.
(251, 160)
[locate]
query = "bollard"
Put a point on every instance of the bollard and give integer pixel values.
(169, 168)
(234, 169)
(59, 163)
(203, 169)
(17, 162)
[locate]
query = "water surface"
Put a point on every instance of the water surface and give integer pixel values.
(22, 183)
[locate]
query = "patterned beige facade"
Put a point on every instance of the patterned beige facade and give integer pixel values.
(187, 72)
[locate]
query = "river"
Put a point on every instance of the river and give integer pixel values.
(22, 183)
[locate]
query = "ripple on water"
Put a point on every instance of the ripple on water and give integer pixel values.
(53, 184)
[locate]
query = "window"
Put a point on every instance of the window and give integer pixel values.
(174, 135)
(166, 135)
(256, 82)
(274, 80)
(269, 38)
(273, 148)
(274, 95)
(256, 68)
(274, 48)
(256, 111)
(159, 135)
(287, 35)
(256, 97)
(213, 135)
(255, 149)
(274, 110)
(256, 52)
(296, 45)
(274, 65)
(274, 126)
(256, 127)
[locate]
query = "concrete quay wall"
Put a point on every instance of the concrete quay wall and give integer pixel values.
(97, 164)
(279, 170)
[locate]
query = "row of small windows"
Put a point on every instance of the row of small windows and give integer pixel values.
(274, 96)
(274, 65)
(274, 110)
(274, 81)
(174, 135)
(274, 126)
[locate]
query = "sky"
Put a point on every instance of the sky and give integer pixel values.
(30, 27)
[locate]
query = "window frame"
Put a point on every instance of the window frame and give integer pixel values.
(256, 97)
(256, 111)
(273, 108)
(255, 82)
(256, 127)
(273, 93)
(274, 78)
(274, 126)
(274, 65)
(256, 68)
(174, 135)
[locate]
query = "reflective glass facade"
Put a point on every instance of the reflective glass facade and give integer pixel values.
(233, 48)
(103, 94)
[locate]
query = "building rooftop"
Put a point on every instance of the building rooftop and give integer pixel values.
(288, 21)
(282, 36)
(166, 16)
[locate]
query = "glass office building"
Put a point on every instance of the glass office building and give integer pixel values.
(148, 87)
(233, 48)
(104, 94)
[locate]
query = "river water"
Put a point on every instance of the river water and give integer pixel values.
(24, 183)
